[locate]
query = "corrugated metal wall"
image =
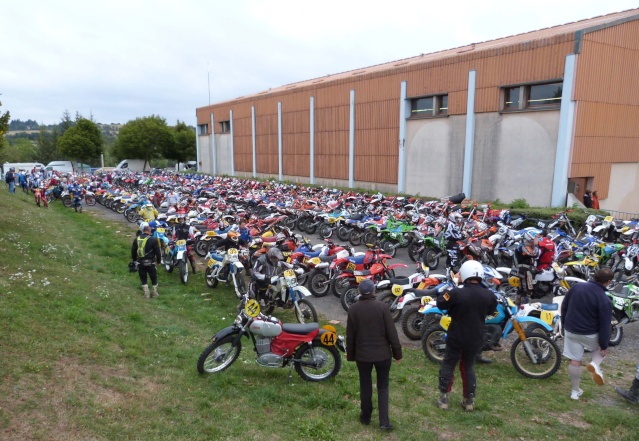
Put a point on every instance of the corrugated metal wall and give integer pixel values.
(607, 91)
(377, 109)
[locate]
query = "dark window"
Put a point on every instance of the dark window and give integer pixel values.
(512, 98)
(422, 106)
(545, 95)
(443, 105)
(225, 126)
(203, 129)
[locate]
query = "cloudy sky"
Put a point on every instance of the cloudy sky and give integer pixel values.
(120, 60)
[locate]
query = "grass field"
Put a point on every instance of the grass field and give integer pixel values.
(84, 357)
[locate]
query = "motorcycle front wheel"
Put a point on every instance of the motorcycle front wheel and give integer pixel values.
(389, 298)
(355, 238)
(305, 312)
(184, 272)
(67, 201)
(343, 233)
(434, 343)
(412, 321)
(546, 356)
(616, 335)
(316, 362)
(90, 200)
(219, 355)
(211, 282)
(339, 286)
(131, 215)
(318, 284)
(348, 298)
(431, 259)
(325, 231)
(389, 247)
(415, 251)
(201, 247)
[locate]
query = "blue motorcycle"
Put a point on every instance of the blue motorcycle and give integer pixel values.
(534, 354)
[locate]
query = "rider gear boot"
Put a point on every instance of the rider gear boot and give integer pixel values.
(145, 288)
(442, 401)
(468, 404)
(155, 291)
(481, 359)
(631, 394)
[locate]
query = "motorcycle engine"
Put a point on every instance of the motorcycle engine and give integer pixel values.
(264, 355)
(492, 336)
(542, 289)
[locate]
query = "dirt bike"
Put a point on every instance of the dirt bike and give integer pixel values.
(533, 354)
(225, 268)
(174, 255)
(284, 291)
(625, 309)
(311, 349)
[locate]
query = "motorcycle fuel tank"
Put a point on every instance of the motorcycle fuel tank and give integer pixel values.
(265, 328)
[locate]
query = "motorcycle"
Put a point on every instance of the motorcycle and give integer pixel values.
(227, 268)
(311, 349)
(285, 292)
(551, 280)
(625, 309)
(533, 354)
(175, 256)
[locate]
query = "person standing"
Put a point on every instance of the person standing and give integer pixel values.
(372, 341)
(10, 179)
(467, 306)
(146, 251)
(588, 199)
(586, 315)
(595, 200)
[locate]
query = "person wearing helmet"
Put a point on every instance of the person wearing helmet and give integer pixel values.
(148, 212)
(146, 251)
(184, 231)
(76, 193)
(467, 305)
(265, 272)
(10, 180)
(245, 233)
(453, 234)
(526, 254)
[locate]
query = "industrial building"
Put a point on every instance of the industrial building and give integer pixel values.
(534, 116)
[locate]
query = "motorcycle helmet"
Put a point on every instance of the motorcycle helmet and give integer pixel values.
(471, 269)
(143, 225)
(529, 237)
(274, 255)
(455, 217)
(162, 217)
(233, 235)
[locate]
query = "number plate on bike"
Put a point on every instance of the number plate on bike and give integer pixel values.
(232, 252)
(358, 279)
(328, 338)
(315, 260)
(290, 273)
(180, 242)
(547, 317)
(160, 230)
(252, 308)
(210, 263)
(608, 219)
(351, 266)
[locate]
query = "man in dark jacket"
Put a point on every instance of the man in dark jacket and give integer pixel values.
(372, 341)
(586, 314)
(10, 179)
(468, 307)
(146, 250)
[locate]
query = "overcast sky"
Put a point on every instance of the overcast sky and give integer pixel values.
(120, 60)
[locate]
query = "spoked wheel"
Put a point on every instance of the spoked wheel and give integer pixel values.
(325, 231)
(211, 282)
(412, 321)
(340, 285)
(219, 355)
(431, 258)
(67, 201)
(131, 215)
(369, 237)
(348, 298)
(318, 284)
(90, 200)
(317, 362)
(434, 343)
(390, 299)
(290, 222)
(305, 311)
(415, 251)
(168, 265)
(355, 237)
(201, 247)
(616, 335)
(389, 247)
(184, 272)
(343, 233)
(542, 358)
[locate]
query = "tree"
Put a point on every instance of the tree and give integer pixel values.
(82, 142)
(18, 150)
(47, 146)
(184, 147)
(144, 138)
(4, 126)
(65, 122)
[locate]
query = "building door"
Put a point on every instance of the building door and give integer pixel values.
(577, 186)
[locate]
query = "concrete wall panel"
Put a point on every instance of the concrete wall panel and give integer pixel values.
(624, 185)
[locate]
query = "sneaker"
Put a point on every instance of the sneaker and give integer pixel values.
(575, 394)
(468, 404)
(442, 401)
(597, 375)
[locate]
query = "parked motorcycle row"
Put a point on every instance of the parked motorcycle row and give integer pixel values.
(280, 215)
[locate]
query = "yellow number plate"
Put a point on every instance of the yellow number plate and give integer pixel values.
(358, 279)
(211, 233)
(232, 252)
(328, 338)
(289, 273)
(351, 266)
(181, 242)
(514, 281)
(547, 317)
(397, 290)
(252, 308)
(315, 260)
(211, 262)
(445, 322)
(160, 230)
(608, 219)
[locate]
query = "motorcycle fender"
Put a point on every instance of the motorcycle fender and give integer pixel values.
(238, 266)
(397, 265)
(322, 265)
(303, 290)
(434, 310)
(230, 330)
(383, 284)
(526, 319)
(599, 228)
(628, 264)
(574, 279)
(504, 270)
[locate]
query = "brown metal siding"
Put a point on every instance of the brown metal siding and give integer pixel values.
(607, 91)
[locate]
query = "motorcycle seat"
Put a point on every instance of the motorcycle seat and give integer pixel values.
(294, 328)
(362, 273)
(271, 239)
(399, 280)
(550, 306)
(419, 293)
(357, 260)
(327, 258)
(313, 253)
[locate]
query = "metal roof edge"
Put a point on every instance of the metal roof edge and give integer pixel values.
(581, 32)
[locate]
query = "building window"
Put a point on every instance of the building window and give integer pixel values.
(225, 126)
(532, 96)
(203, 129)
(429, 106)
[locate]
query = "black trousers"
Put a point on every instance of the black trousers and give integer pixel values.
(382, 369)
(465, 356)
(151, 271)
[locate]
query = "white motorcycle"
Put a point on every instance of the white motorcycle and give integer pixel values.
(225, 267)
(284, 291)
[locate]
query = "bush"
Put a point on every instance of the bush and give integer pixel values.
(519, 203)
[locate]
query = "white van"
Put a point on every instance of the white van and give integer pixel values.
(68, 167)
(26, 166)
(132, 165)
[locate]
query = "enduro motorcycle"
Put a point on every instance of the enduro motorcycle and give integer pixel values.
(625, 309)
(225, 267)
(174, 255)
(551, 280)
(286, 292)
(533, 354)
(311, 349)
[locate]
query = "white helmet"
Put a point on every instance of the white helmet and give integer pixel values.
(143, 225)
(471, 269)
(455, 217)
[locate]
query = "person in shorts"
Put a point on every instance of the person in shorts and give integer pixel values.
(586, 315)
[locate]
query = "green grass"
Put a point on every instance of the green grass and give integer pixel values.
(84, 356)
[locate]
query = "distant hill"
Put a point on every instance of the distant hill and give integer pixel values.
(18, 128)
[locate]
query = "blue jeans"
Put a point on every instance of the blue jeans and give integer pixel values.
(12, 187)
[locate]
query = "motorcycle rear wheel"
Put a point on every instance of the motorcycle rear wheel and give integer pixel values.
(370, 237)
(325, 231)
(317, 284)
(434, 343)
(348, 298)
(317, 362)
(412, 321)
(616, 335)
(67, 201)
(219, 355)
(355, 238)
(431, 258)
(389, 299)
(201, 247)
(343, 233)
(339, 286)
(414, 252)
(90, 200)
(211, 282)
(545, 351)
(305, 312)
(131, 215)
(389, 247)
(311, 227)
